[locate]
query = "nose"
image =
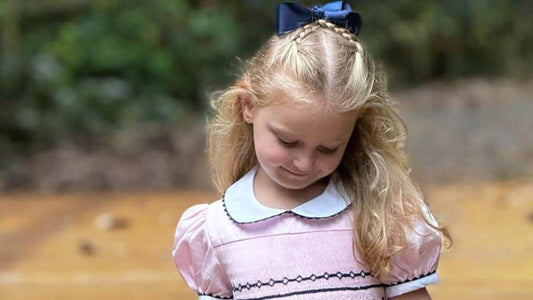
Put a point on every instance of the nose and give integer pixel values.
(303, 163)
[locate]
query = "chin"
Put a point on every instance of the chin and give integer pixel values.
(293, 185)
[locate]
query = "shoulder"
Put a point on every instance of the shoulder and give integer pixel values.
(209, 220)
(194, 253)
(199, 215)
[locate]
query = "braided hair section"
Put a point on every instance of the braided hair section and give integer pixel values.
(312, 27)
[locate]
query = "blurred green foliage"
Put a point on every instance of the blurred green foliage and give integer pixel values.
(421, 40)
(84, 69)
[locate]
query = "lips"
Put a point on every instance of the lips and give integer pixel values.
(297, 174)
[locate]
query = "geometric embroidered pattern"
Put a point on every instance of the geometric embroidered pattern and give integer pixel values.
(313, 277)
(299, 279)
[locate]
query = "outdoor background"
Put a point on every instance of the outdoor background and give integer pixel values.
(103, 105)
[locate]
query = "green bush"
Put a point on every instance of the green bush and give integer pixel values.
(79, 69)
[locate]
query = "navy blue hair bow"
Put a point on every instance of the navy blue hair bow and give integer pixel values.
(292, 15)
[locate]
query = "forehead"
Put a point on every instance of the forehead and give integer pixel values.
(309, 119)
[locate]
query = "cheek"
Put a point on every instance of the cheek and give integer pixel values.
(329, 163)
(269, 151)
(272, 154)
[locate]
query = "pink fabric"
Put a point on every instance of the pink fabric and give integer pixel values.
(417, 263)
(195, 257)
(287, 256)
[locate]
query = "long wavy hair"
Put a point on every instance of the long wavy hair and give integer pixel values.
(326, 60)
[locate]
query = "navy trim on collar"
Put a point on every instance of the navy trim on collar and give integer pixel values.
(242, 206)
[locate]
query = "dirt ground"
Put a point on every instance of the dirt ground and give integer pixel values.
(51, 247)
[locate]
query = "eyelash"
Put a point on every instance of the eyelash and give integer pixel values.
(293, 144)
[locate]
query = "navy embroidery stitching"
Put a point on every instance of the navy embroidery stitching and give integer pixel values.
(213, 296)
(313, 277)
(412, 279)
(318, 291)
(283, 213)
(299, 279)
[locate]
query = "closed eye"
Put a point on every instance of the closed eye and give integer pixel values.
(293, 144)
(287, 143)
(328, 151)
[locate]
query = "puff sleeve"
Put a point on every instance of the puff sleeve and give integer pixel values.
(415, 266)
(195, 257)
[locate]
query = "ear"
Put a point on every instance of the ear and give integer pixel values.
(247, 108)
(246, 101)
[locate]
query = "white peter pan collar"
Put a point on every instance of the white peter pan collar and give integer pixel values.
(242, 206)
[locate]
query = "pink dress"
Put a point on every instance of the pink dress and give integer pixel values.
(237, 248)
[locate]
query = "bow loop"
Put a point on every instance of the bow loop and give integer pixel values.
(318, 13)
(292, 15)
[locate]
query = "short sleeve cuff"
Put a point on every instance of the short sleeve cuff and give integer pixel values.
(207, 297)
(409, 286)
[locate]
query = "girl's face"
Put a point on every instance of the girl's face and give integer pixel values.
(297, 144)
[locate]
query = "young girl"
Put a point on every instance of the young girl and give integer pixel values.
(309, 153)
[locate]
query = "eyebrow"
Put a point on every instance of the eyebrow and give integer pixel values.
(286, 131)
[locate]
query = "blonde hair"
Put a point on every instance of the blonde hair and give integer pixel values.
(322, 59)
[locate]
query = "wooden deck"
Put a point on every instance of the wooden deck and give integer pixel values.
(41, 237)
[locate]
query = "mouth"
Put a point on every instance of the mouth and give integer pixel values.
(297, 174)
